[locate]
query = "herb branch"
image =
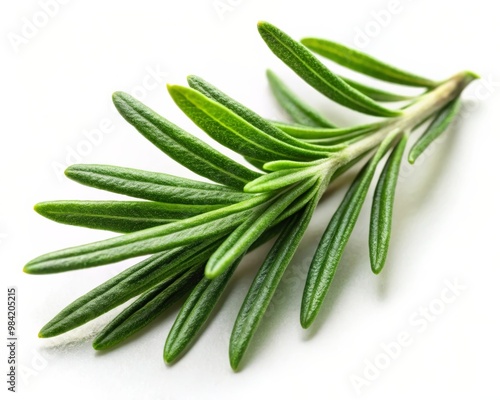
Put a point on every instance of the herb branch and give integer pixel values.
(197, 233)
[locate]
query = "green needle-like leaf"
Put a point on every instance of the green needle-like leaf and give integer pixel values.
(266, 281)
(309, 68)
(287, 164)
(248, 115)
(202, 301)
(332, 244)
(128, 284)
(307, 133)
(146, 309)
(383, 202)
(152, 185)
(295, 107)
(233, 131)
(282, 178)
(374, 93)
(361, 62)
(148, 241)
(181, 146)
(242, 238)
(299, 203)
(442, 120)
(118, 216)
(195, 312)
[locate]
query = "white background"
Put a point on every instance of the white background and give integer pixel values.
(58, 84)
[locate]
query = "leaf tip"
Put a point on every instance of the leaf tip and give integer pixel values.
(50, 330)
(307, 316)
(306, 321)
(212, 270)
(168, 357)
(411, 158)
(377, 268)
(193, 79)
(28, 269)
(170, 350)
(234, 359)
(472, 75)
(176, 90)
(98, 345)
(251, 187)
(118, 97)
(305, 41)
(263, 26)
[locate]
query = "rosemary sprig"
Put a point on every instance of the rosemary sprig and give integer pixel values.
(197, 233)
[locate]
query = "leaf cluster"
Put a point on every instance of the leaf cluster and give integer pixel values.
(195, 234)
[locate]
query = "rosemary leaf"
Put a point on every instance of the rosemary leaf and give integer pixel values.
(280, 179)
(181, 146)
(383, 202)
(266, 281)
(442, 120)
(332, 244)
(307, 133)
(195, 312)
(241, 239)
(152, 185)
(286, 164)
(309, 68)
(295, 107)
(361, 62)
(148, 241)
(146, 308)
(374, 93)
(248, 115)
(300, 202)
(233, 131)
(118, 216)
(128, 284)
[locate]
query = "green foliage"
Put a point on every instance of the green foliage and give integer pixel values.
(383, 201)
(358, 61)
(441, 121)
(309, 68)
(196, 233)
